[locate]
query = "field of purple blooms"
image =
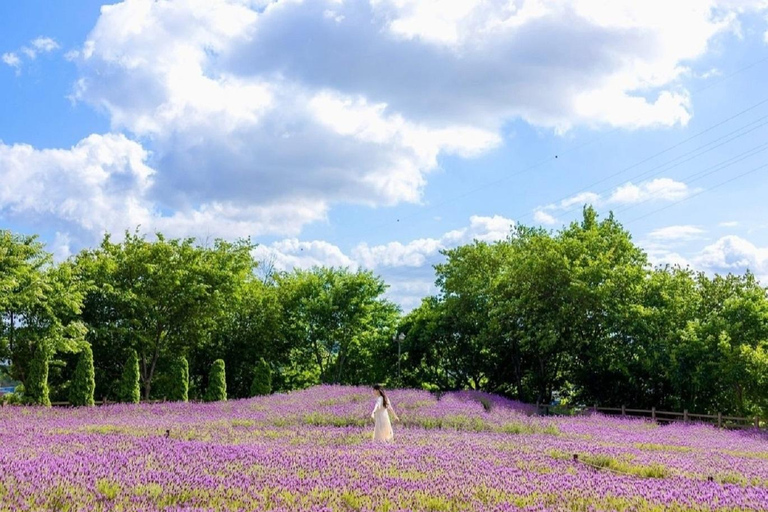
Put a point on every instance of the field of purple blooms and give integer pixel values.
(311, 451)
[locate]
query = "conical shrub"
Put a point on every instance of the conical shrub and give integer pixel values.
(217, 383)
(36, 386)
(262, 379)
(129, 390)
(178, 386)
(84, 381)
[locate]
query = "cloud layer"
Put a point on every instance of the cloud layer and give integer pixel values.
(317, 103)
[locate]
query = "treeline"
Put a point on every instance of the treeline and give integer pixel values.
(577, 314)
(580, 315)
(168, 301)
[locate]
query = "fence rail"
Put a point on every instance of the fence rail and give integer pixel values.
(671, 416)
(102, 402)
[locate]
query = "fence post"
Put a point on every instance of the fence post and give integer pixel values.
(653, 413)
(623, 411)
(685, 416)
(104, 401)
(719, 420)
(594, 408)
(757, 421)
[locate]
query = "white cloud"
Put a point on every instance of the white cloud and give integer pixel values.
(45, 44)
(406, 267)
(542, 217)
(12, 60)
(676, 233)
(237, 110)
(660, 256)
(36, 46)
(579, 200)
(729, 224)
(104, 183)
(734, 254)
(418, 252)
(662, 189)
(292, 253)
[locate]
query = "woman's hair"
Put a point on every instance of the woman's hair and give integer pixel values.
(382, 394)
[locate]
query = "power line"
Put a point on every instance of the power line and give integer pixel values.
(738, 176)
(552, 158)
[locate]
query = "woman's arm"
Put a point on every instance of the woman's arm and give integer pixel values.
(394, 415)
(376, 407)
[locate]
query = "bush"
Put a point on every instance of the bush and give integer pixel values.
(217, 383)
(262, 379)
(129, 390)
(178, 385)
(84, 381)
(37, 381)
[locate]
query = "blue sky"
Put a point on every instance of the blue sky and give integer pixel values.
(375, 133)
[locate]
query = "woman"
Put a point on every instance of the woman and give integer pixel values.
(383, 429)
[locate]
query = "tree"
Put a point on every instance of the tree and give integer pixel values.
(83, 384)
(39, 308)
(178, 388)
(217, 383)
(249, 330)
(129, 390)
(330, 319)
(262, 379)
(159, 298)
(36, 387)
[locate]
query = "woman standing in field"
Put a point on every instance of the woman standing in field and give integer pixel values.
(383, 429)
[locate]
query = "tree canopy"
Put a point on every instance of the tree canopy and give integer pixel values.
(578, 315)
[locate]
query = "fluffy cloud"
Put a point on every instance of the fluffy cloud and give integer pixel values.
(238, 109)
(12, 60)
(417, 253)
(406, 267)
(734, 254)
(31, 51)
(676, 233)
(104, 184)
(661, 189)
(542, 217)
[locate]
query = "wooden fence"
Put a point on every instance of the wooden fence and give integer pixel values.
(718, 419)
(105, 402)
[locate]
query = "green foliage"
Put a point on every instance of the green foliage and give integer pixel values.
(128, 388)
(39, 307)
(36, 388)
(217, 383)
(160, 298)
(262, 379)
(83, 384)
(338, 326)
(178, 386)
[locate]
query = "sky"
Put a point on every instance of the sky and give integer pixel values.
(375, 133)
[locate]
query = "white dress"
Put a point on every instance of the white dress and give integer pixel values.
(383, 429)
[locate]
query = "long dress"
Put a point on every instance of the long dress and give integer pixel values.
(383, 429)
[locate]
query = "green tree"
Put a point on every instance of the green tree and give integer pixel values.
(178, 388)
(262, 379)
(39, 307)
(249, 330)
(36, 387)
(83, 384)
(160, 297)
(217, 383)
(129, 390)
(329, 317)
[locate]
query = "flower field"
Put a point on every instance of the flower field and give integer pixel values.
(311, 451)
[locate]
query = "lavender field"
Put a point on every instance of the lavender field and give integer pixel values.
(311, 451)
